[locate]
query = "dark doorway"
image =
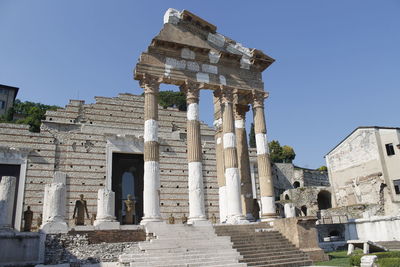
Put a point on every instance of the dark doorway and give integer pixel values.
(324, 200)
(296, 184)
(127, 179)
(11, 170)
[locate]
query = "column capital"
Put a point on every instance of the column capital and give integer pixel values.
(226, 93)
(240, 111)
(150, 84)
(258, 98)
(192, 91)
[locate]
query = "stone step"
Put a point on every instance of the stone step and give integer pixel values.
(276, 253)
(181, 254)
(166, 245)
(188, 262)
(279, 258)
(257, 241)
(178, 258)
(250, 247)
(283, 264)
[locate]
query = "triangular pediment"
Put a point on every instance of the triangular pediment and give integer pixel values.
(189, 48)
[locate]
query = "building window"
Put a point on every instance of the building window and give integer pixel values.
(397, 186)
(2, 104)
(389, 149)
(3, 91)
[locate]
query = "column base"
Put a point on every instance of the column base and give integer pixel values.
(236, 219)
(198, 221)
(268, 217)
(106, 225)
(144, 220)
(54, 228)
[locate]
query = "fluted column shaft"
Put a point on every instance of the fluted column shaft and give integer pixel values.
(151, 185)
(263, 159)
(243, 160)
(232, 176)
(194, 154)
(219, 154)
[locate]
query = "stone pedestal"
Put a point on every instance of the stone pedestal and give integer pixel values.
(302, 232)
(54, 205)
(290, 210)
(105, 219)
(7, 194)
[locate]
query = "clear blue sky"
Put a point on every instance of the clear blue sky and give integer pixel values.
(337, 62)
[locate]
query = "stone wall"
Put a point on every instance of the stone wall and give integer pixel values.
(82, 248)
(17, 249)
(75, 140)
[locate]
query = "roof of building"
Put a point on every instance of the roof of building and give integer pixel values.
(3, 86)
(362, 127)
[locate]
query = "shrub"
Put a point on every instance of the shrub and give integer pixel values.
(389, 262)
(355, 260)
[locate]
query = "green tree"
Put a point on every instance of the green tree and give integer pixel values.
(30, 113)
(172, 99)
(252, 136)
(288, 154)
(275, 151)
(322, 168)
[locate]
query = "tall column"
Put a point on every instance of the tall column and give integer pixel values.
(151, 177)
(232, 176)
(194, 154)
(243, 160)
(263, 160)
(219, 154)
(7, 193)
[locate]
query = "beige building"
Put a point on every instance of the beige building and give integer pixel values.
(7, 97)
(365, 169)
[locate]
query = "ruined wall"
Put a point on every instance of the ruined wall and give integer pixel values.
(304, 197)
(76, 140)
(357, 156)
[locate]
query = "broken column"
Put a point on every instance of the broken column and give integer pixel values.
(290, 210)
(7, 195)
(219, 154)
(105, 218)
(232, 175)
(263, 160)
(54, 205)
(243, 161)
(151, 177)
(194, 154)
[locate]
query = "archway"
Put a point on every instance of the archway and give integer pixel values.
(296, 184)
(304, 210)
(324, 200)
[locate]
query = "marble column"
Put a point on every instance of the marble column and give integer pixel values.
(194, 154)
(232, 175)
(105, 218)
(243, 160)
(151, 177)
(219, 154)
(7, 194)
(263, 160)
(54, 205)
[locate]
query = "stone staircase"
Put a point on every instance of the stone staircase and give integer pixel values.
(390, 245)
(180, 245)
(261, 245)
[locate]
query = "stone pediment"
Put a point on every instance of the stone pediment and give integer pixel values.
(189, 48)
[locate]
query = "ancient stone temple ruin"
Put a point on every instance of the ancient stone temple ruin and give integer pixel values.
(126, 164)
